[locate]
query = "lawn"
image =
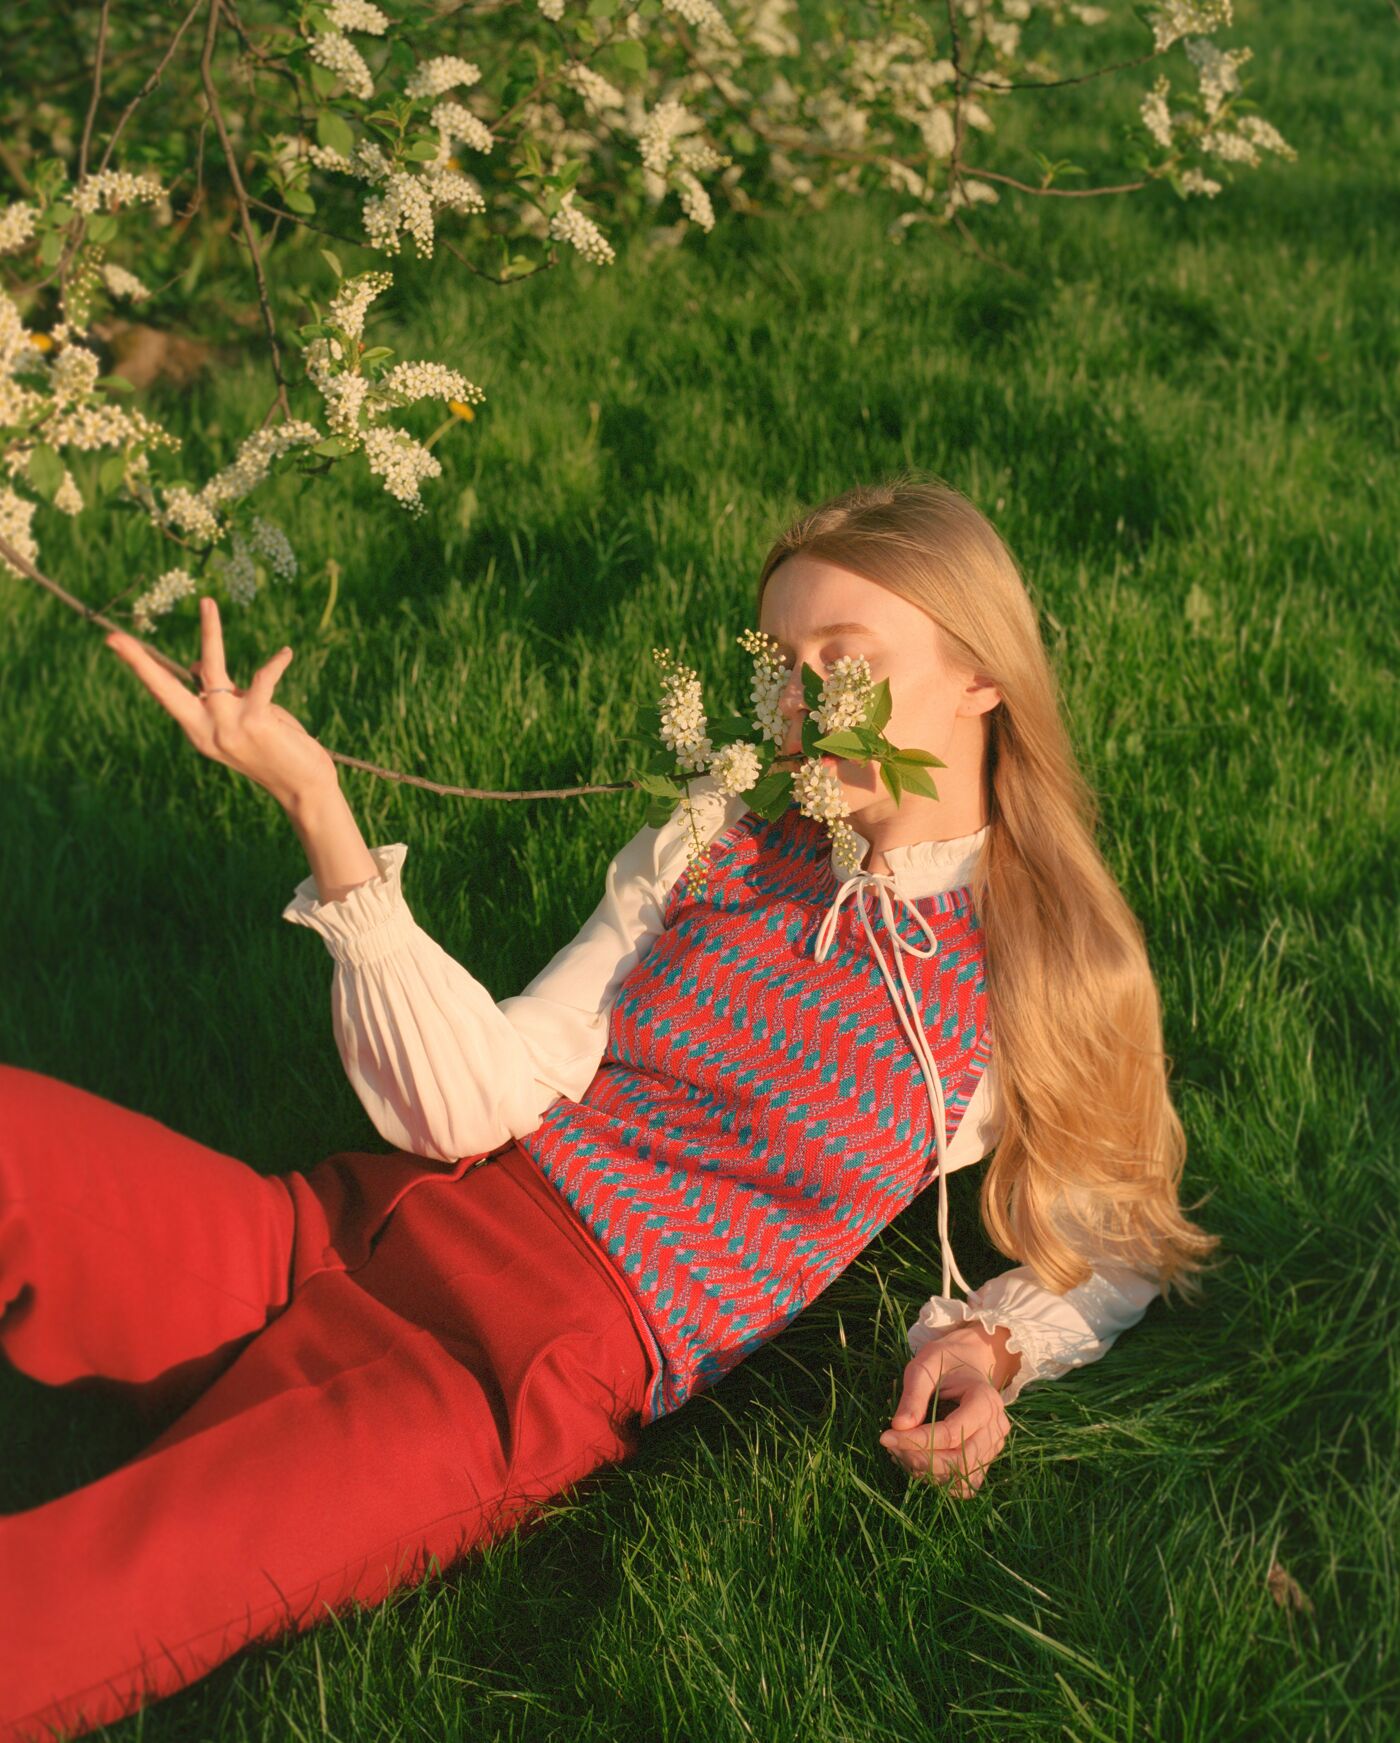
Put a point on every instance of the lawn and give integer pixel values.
(1183, 418)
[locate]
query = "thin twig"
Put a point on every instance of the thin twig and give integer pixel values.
(17, 560)
(96, 96)
(206, 73)
(988, 175)
(152, 80)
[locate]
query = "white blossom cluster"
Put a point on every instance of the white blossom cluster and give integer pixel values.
(1218, 71)
(344, 397)
(354, 296)
(1252, 133)
(404, 204)
(256, 452)
(72, 374)
(1195, 181)
(443, 73)
(111, 187)
(16, 512)
(407, 382)
(1173, 19)
(271, 543)
(456, 121)
(68, 499)
(358, 15)
(597, 92)
(654, 141)
(845, 695)
(695, 202)
(704, 15)
(402, 463)
(121, 283)
(770, 678)
(337, 54)
(458, 193)
(17, 221)
(104, 425)
(173, 586)
(553, 10)
(683, 713)
(571, 226)
(736, 767)
(817, 792)
(237, 570)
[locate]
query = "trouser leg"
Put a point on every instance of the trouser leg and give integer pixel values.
(345, 1451)
(127, 1250)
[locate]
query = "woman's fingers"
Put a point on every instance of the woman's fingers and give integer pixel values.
(211, 659)
(265, 679)
(167, 689)
(958, 1449)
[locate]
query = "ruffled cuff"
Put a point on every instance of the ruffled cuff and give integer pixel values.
(1047, 1332)
(369, 922)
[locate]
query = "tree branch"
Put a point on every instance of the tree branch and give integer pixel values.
(206, 73)
(17, 560)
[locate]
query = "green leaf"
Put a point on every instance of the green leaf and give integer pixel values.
(50, 247)
(115, 384)
(648, 720)
(298, 200)
(422, 150)
(843, 744)
(878, 713)
(323, 81)
(102, 227)
(662, 785)
(335, 133)
(334, 446)
(913, 777)
(659, 811)
(45, 470)
(924, 757)
(889, 774)
(111, 472)
(770, 795)
(376, 353)
(630, 54)
(730, 729)
(332, 260)
(601, 8)
(811, 686)
(58, 213)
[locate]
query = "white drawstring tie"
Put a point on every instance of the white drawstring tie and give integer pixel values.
(857, 886)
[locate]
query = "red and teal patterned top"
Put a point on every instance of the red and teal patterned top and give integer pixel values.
(759, 1115)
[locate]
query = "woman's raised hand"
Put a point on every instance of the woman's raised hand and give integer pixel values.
(243, 729)
(958, 1448)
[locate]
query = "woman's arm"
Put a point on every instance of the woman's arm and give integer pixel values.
(443, 1070)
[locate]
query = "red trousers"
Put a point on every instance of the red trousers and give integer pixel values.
(390, 1361)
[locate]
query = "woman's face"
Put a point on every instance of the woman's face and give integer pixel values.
(817, 612)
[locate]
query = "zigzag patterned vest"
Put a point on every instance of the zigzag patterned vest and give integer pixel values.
(758, 1116)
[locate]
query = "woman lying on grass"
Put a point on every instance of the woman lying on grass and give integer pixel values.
(607, 1190)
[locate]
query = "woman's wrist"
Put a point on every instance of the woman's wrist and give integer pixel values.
(336, 851)
(974, 1346)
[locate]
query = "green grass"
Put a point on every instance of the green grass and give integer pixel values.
(1184, 422)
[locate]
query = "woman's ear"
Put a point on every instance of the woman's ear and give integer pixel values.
(980, 696)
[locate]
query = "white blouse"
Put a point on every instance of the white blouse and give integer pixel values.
(443, 1070)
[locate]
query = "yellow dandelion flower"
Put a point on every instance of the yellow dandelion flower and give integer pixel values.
(460, 410)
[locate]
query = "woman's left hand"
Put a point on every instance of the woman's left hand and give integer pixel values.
(957, 1449)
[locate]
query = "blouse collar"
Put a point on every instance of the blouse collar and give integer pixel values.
(924, 868)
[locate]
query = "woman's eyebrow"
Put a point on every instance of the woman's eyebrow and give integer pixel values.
(839, 629)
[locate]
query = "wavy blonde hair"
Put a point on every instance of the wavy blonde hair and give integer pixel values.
(1089, 1145)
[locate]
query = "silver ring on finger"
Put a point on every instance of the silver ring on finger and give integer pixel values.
(218, 690)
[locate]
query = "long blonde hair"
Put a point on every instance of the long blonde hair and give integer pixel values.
(1089, 1146)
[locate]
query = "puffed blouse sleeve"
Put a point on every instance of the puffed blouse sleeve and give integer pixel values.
(1053, 1333)
(442, 1069)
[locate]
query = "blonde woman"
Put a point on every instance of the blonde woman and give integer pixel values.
(606, 1190)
